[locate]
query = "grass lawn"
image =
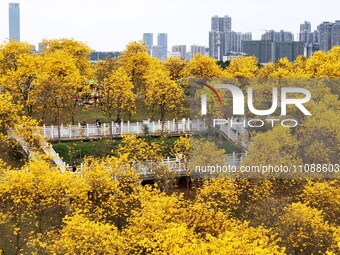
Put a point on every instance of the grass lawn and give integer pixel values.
(70, 151)
(90, 114)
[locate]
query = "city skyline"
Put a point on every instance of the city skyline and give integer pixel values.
(110, 25)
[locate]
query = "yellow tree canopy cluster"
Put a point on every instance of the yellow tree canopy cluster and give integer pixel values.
(46, 83)
(58, 78)
(106, 210)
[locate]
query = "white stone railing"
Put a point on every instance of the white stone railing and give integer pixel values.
(23, 144)
(146, 169)
(79, 131)
(48, 149)
(113, 129)
(92, 130)
(31, 152)
(232, 128)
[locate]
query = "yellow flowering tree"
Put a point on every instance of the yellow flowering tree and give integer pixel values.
(175, 66)
(136, 61)
(202, 67)
(303, 230)
(243, 67)
(161, 91)
(81, 235)
(77, 50)
(117, 94)
(59, 83)
(324, 195)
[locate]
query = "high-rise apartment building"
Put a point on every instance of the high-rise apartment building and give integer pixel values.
(305, 32)
(306, 35)
(148, 39)
(335, 33)
(181, 49)
(267, 51)
(14, 22)
(162, 44)
(156, 52)
(306, 27)
(328, 35)
(281, 36)
(236, 41)
(290, 50)
(309, 38)
(161, 49)
(219, 36)
(195, 50)
(216, 44)
(221, 24)
(261, 49)
(222, 40)
(324, 31)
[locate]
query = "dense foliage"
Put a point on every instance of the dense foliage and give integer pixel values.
(106, 210)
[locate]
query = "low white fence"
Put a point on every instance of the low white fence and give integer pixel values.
(148, 169)
(230, 128)
(122, 128)
(147, 127)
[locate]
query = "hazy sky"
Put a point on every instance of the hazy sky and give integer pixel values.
(108, 25)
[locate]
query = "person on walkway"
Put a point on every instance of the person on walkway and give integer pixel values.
(83, 128)
(98, 125)
(118, 121)
(74, 166)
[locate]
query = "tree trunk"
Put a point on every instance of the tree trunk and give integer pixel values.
(162, 112)
(118, 116)
(110, 127)
(29, 109)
